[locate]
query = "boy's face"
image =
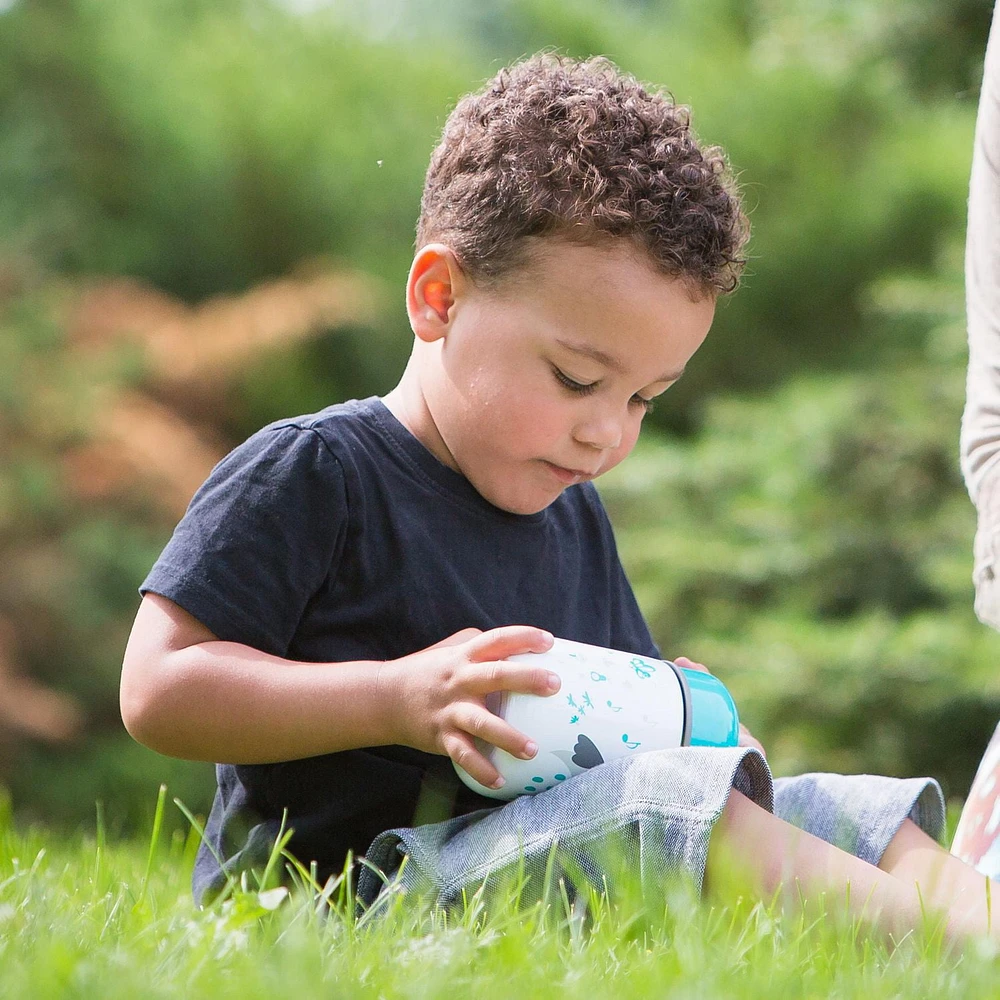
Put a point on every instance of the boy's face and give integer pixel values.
(543, 382)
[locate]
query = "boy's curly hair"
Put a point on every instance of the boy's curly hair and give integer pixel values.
(553, 146)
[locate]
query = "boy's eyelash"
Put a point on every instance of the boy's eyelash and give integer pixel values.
(581, 388)
(585, 388)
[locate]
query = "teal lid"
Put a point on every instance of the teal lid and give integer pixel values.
(714, 721)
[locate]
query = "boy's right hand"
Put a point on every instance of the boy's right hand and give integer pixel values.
(437, 696)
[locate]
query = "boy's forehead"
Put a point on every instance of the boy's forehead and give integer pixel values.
(611, 359)
(594, 253)
(608, 305)
(581, 277)
(557, 268)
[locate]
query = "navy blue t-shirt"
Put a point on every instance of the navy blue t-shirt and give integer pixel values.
(338, 536)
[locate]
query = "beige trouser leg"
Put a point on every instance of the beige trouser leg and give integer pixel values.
(979, 827)
(980, 440)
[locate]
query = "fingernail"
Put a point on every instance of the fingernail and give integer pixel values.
(499, 783)
(530, 749)
(554, 682)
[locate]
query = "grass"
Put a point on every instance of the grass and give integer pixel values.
(85, 917)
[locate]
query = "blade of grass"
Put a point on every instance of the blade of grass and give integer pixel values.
(154, 839)
(99, 850)
(989, 905)
(279, 845)
(231, 880)
(189, 816)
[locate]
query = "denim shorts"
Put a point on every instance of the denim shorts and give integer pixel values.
(656, 808)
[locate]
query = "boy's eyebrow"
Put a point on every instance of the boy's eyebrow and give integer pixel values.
(610, 361)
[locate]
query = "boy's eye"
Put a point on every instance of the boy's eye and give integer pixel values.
(582, 388)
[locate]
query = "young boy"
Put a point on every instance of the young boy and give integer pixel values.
(343, 591)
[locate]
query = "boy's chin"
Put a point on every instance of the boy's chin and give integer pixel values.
(523, 492)
(523, 504)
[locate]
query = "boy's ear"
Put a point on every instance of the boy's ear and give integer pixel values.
(435, 280)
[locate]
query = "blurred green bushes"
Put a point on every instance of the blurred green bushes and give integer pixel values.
(795, 517)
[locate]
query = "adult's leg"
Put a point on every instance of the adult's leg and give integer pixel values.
(978, 833)
(770, 857)
(977, 839)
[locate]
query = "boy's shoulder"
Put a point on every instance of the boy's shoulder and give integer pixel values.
(331, 420)
(342, 432)
(324, 450)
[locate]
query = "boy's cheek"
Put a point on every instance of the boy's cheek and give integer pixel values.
(536, 426)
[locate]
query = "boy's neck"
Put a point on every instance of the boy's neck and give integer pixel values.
(407, 404)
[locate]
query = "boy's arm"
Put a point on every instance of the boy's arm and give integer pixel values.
(187, 694)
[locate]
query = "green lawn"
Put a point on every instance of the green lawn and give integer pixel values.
(88, 918)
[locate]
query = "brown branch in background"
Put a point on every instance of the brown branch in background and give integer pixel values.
(226, 335)
(27, 708)
(116, 309)
(215, 341)
(189, 351)
(137, 439)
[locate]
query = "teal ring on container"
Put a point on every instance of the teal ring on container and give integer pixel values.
(710, 716)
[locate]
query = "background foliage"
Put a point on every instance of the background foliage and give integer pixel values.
(794, 518)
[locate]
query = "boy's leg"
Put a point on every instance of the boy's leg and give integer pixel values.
(945, 881)
(771, 857)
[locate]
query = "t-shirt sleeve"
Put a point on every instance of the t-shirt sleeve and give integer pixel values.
(259, 539)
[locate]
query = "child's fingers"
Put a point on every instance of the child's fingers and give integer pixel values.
(484, 678)
(462, 751)
(747, 739)
(499, 643)
(458, 638)
(683, 661)
(477, 721)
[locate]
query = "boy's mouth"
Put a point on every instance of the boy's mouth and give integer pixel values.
(569, 477)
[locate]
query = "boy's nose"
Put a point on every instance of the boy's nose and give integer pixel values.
(603, 432)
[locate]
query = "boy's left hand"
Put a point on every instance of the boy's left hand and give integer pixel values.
(747, 739)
